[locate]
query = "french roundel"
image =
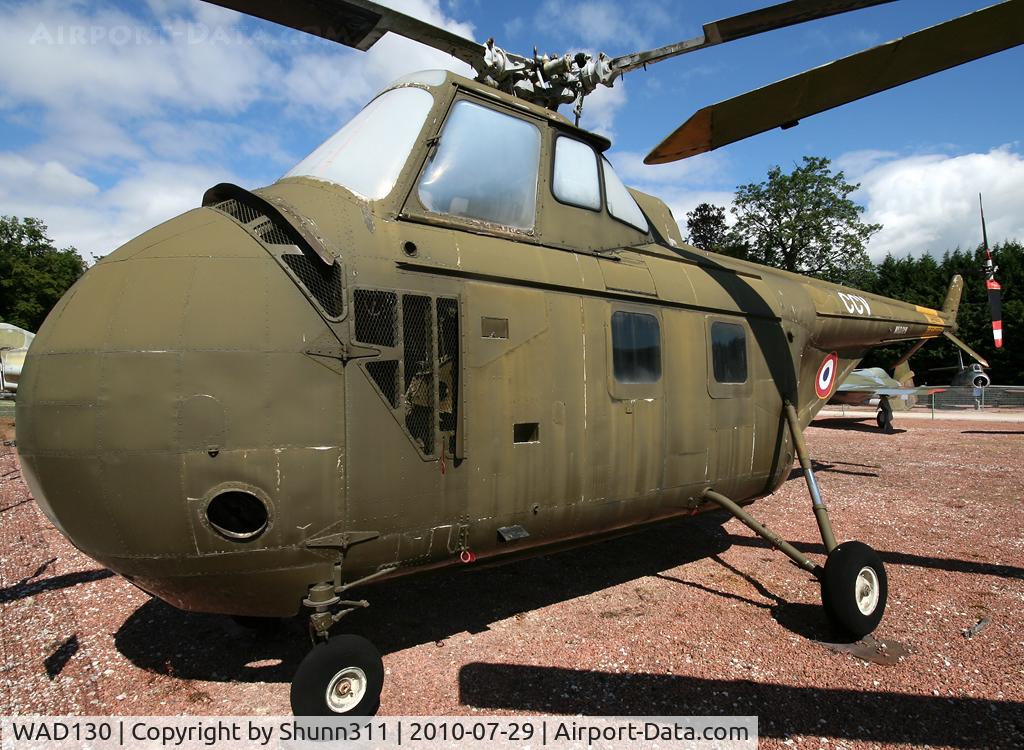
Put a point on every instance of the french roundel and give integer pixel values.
(826, 377)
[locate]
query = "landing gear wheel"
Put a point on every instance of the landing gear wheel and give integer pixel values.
(854, 588)
(342, 677)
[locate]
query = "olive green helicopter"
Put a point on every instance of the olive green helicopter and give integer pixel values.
(452, 334)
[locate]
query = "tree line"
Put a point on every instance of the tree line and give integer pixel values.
(806, 222)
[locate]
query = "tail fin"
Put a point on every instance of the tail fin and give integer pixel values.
(904, 374)
(949, 310)
(952, 303)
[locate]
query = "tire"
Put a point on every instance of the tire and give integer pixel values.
(854, 588)
(344, 662)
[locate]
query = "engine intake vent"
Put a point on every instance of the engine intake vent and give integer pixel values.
(323, 282)
(376, 317)
(262, 226)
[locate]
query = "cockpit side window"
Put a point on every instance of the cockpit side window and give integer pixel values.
(368, 154)
(485, 168)
(575, 179)
(620, 203)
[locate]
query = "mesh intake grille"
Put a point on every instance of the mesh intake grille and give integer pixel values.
(422, 385)
(385, 375)
(271, 233)
(266, 229)
(417, 333)
(448, 369)
(375, 317)
(323, 282)
(245, 214)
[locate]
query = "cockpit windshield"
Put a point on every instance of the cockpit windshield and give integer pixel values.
(367, 155)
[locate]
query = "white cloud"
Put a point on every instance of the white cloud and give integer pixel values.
(131, 113)
(697, 170)
(97, 221)
(682, 185)
(66, 57)
(929, 203)
(859, 162)
(630, 27)
(51, 178)
(600, 108)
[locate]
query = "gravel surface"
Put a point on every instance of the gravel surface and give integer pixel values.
(693, 617)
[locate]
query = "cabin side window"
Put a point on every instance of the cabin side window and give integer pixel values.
(636, 347)
(485, 168)
(729, 352)
(575, 179)
(620, 203)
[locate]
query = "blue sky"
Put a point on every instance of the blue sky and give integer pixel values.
(116, 116)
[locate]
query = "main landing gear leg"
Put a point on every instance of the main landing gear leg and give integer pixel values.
(854, 587)
(342, 675)
(884, 416)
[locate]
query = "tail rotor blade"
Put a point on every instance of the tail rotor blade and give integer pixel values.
(995, 304)
(996, 307)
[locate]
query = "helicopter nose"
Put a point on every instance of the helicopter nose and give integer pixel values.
(168, 405)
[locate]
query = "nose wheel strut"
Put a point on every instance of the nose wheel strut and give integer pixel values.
(854, 586)
(342, 675)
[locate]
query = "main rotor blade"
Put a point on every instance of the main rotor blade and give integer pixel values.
(747, 24)
(356, 23)
(900, 61)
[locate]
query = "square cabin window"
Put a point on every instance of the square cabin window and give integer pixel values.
(485, 168)
(636, 347)
(575, 178)
(729, 352)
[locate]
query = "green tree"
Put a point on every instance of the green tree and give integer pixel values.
(33, 273)
(924, 281)
(708, 230)
(805, 222)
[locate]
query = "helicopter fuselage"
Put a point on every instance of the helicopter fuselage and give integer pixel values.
(311, 383)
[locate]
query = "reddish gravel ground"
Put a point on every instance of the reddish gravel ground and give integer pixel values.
(694, 617)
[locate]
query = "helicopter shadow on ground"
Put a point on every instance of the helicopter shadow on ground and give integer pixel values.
(829, 467)
(854, 424)
(805, 620)
(973, 567)
(874, 716)
(28, 587)
(427, 608)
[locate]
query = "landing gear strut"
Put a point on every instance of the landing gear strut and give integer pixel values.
(854, 587)
(342, 675)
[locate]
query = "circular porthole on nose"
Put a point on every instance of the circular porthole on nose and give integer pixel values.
(237, 515)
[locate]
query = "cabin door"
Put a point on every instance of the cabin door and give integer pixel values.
(625, 391)
(730, 387)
